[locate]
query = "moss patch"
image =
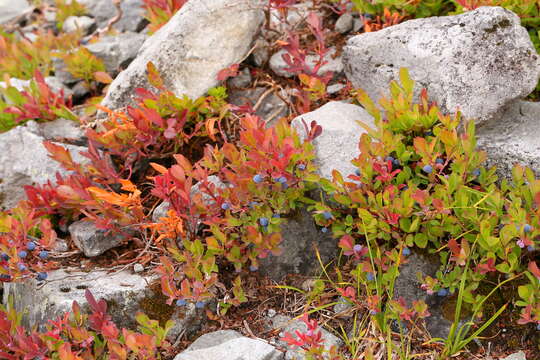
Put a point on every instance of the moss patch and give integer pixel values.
(155, 305)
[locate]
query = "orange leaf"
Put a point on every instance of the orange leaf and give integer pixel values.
(103, 77)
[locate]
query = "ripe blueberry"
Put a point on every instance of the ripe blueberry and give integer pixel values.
(324, 229)
(396, 162)
(373, 312)
(225, 206)
(277, 216)
(357, 172)
(442, 292)
(530, 248)
(22, 267)
(263, 221)
(281, 179)
(258, 178)
(199, 304)
(42, 276)
(23, 254)
(439, 161)
(327, 215)
(476, 172)
(181, 302)
(5, 257)
(389, 158)
(31, 246)
(538, 326)
(370, 277)
(253, 268)
(427, 169)
(527, 228)
(302, 167)
(357, 248)
(43, 254)
(406, 251)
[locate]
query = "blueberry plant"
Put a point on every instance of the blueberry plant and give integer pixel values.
(420, 185)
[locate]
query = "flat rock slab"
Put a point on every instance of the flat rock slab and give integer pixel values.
(198, 41)
(123, 292)
(513, 140)
(237, 348)
(517, 356)
(478, 61)
(338, 143)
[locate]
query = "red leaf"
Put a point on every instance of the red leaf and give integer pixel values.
(226, 73)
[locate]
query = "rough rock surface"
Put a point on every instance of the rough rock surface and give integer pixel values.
(132, 14)
(84, 23)
(286, 324)
(514, 139)
(223, 345)
(117, 51)
(334, 63)
(10, 9)
(300, 235)
(53, 82)
(213, 339)
(520, 355)
(198, 41)
(478, 61)
(25, 161)
(272, 107)
(408, 286)
(123, 291)
(338, 143)
(57, 129)
(91, 240)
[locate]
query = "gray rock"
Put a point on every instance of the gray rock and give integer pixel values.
(80, 91)
(61, 73)
(300, 235)
(25, 161)
(357, 25)
(160, 211)
(61, 129)
(338, 143)
(190, 50)
(241, 348)
(123, 291)
(333, 64)
(516, 356)
(295, 15)
(342, 307)
(514, 139)
(138, 268)
(91, 240)
(213, 339)
(10, 9)
(272, 107)
(132, 14)
(335, 88)
(478, 61)
(261, 53)
(408, 286)
(285, 324)
(117, 51)
(242, 80)
(74, 23)
(344, 23)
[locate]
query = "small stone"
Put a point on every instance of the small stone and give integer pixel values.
(137, 268)
(117, 51)
(333, 64)
(335, 88)
(91, 240)
(74, 23)
(344, 23)
(516, 356)
(271, 313)
(242, 80)
(357, 25)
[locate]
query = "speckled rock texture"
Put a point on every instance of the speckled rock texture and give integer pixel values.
(479, 61)
(513, 140)
(338, 143)
(198, 41)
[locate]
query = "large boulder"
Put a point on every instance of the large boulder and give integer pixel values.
(478, 61)
(229, 345)
(198, 41)
(514, 139)
(25, 161)
(338, 143)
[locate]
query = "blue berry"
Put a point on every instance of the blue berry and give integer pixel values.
(396, 162)
(389, 158)
(324, 229)
(5, 277)
(277, 216)
(302, 167)
(42, 276)
(538, 326)
(225, 206)
(370, 277)
(476, 172)
(263, 221)
(252, 204)
(357, 248)
(439, 161)
(43, 254)
(327, 215)
(527, 228)
(4, 256)
(427, 169)
(429, 133)
(22, 267)
(530, 248)
(258, 178)
(281, 179)
(22, 254)
(253, 268)
(406, 251)
(199, 304)
(31, 246)
(373, 312)
(442, 292)
(181, 302)
(357, 172)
